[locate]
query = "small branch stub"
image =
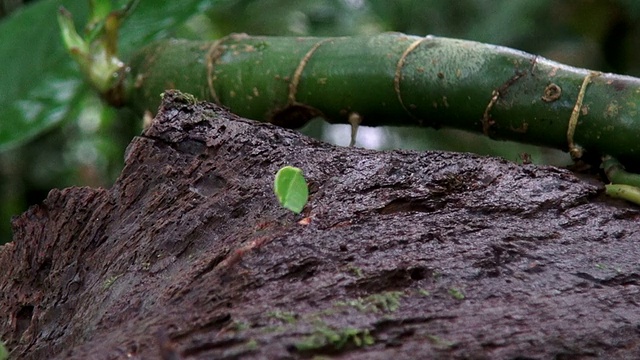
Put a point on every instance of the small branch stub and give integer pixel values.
(355, 120)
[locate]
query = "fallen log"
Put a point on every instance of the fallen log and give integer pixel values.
(398, 254)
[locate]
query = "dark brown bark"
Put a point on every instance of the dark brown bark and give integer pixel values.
(422, 255)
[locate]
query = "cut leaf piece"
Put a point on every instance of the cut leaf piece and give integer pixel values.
(291, 188)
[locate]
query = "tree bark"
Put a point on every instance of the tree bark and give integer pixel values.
(398, 254)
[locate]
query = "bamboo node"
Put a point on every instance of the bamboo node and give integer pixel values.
(214, 52)
(487, 122)
(575, 150)
(295, 80)
(398, 75)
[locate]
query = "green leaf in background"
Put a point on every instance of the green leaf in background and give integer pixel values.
(291, 188)
(34, 100)
(40, 85)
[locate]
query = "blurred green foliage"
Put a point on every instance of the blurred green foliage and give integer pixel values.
(75, 140)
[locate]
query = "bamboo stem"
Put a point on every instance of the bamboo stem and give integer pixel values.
(397, 79)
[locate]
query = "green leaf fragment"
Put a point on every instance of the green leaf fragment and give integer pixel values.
(4, 353)
(624, 185)
(291, 188)
(456, 293)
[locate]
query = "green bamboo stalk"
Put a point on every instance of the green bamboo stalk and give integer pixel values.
(397, 79)
(386, 79)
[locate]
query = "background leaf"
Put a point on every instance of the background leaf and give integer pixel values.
(54, 132)
(35, 99)
(157, 19)
(39, 83)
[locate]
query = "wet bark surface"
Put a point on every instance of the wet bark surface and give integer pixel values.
(405, 255)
